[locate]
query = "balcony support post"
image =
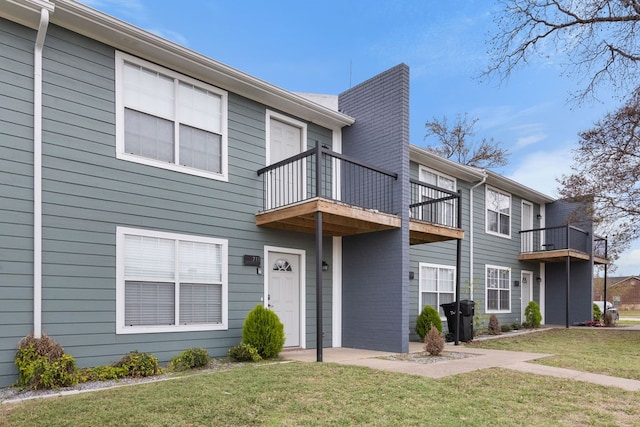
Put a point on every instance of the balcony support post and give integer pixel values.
(606, 257)
(458, 268)
(568, 292)
(319, 332)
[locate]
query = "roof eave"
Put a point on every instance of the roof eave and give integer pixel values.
(91, 23)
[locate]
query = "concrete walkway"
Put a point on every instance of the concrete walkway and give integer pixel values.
(478, 359)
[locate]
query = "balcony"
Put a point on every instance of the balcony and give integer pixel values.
(433, 214)
(556, 244)
(353, 197)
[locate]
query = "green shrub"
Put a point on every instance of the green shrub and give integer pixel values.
(263, 330)
(426, 319)
(102, 373)
(532, 315)
(139, 364)
(506, 328)
(244, 353)
(597, 313)
(494, 325)
(516, 326)
(190, 359)
(42, 364)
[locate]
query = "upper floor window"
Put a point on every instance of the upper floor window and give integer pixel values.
(443, 212)
(498, 212)
(169, 282)
(498, 289)
(169, 120)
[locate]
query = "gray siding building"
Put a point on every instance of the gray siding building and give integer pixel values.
(150, 197)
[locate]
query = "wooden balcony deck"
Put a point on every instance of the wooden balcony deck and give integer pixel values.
(425, 232)
(560, 255)
(338, 219)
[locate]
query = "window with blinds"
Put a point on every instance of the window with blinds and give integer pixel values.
(437, 286)
(171, 281)
(169, 120)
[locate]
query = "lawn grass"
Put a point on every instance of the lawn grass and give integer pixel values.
(608, 351)
(319, 394)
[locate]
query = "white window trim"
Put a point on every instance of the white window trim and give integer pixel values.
(121, 232)
(121, 57)
(486, 209)
(422, 168)
(425, 264)
(288, 120)
(486, 288)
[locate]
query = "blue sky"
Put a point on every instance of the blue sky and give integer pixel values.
(327, 46)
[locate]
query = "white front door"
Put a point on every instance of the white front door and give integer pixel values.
(284, 293)
(526, 285)
(285, 139)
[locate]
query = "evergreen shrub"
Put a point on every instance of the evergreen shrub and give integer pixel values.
(426, 319)
(532, 315)
(263, 330)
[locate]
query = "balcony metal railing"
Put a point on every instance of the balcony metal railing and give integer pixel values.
(554, 238)
(434, 204)
(320, 172)
(600, 249)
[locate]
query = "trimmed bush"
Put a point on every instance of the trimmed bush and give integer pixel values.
(494, 325)
(433, 342)
(506, 328)
(426, 319)
(263, 330)
(42, 364)
(244, 353)
(597, 313)
(139, 364)
(532, 315)
(101, 373)
(190, 359)
(516, 326)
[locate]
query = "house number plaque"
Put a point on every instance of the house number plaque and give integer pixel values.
(251, 260)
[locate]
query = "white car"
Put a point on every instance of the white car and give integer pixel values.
(610, 308)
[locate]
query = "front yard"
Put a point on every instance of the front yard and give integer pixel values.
(329, 394)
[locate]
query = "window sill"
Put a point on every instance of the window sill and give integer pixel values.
(125, 330)
(172, 167)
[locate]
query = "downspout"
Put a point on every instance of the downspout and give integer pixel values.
(37, 173)
(484, 179)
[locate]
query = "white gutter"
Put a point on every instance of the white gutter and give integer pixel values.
(37, 173)
(484, 179)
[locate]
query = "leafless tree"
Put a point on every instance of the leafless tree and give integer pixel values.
(606, 169)
(456, 143)
(597, 41)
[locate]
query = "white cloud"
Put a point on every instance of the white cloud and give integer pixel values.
(539, 170)
(629, 262)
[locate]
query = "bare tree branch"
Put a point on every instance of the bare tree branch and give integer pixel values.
(607, 169)
(578, 31)
(456, 143)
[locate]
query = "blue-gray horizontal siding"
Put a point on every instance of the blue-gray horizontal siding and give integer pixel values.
(490, 249)
(441, 253)
(87, 193)
(16, 192)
